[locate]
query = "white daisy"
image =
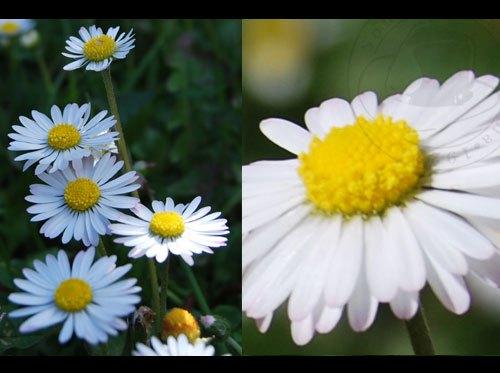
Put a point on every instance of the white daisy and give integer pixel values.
(86, 297)
(178, 229)
(96, 49)
(179, 346)
(78, 201)
(372, 207)
(66, 136)
(15, 27)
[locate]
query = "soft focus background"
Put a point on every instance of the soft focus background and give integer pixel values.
(179, 96)
(292, 65)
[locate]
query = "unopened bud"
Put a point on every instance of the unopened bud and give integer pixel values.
(216, 326)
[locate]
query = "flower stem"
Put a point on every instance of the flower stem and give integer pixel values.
(419, 334)
(155, 291)
(231, 342)
(122, 148)
(196, 288)
(122, 144)
(204, 305)
(164, 286)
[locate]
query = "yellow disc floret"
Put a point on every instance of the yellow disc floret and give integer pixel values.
(63, 136)
(167, 224)
(9, 27)
(81, 194)
(99, 48)
(363, 168)
(73, 295)
(179, 321)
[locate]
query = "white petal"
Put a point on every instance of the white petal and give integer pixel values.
(405, 304)
(286, 134)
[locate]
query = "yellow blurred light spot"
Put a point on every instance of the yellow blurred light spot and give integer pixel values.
(9, 27)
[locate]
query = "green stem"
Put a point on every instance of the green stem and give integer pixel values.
(231, 342)
(200, 298)
(174, 297)
(122, 145)
(419, 334)
(196, 288)
(155, 301)
(164, 286)
(122, 148)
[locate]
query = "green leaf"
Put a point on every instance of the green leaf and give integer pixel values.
(10, 336)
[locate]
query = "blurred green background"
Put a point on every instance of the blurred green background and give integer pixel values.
(179, 95)
(292, 65)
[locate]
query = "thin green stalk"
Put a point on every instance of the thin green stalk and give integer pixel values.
(164, 286)
(174, 297)
(155, 293)
(204, 305)
(420, 335)
(202, 302)
(231, 342)
(122, 147)
(122, 144)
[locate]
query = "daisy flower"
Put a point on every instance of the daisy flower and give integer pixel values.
(14, 27)
(179, 346)
(372, 207)
(178, 229)
(86, 297)
(66, 136)
(96, 49)
(78, 201)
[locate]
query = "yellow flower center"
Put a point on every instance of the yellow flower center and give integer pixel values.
(63, 136)
(81, 194)
(179, 321)
(363, 168)
(99, 48)
(167, 224)
(9, 27)
(73, 295)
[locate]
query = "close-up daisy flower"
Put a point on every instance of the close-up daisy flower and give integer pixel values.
(85, 296)
(79, 201)
(179, 346)
(95, 49)
(65, 136)
(178, 229)
(372, 207)
(15, 27)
